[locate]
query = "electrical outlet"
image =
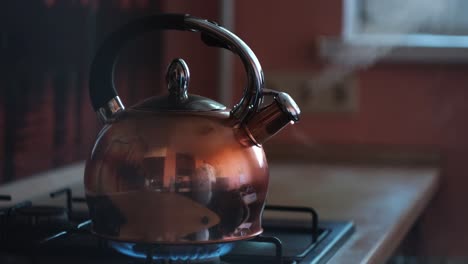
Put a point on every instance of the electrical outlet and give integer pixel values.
(315, 95)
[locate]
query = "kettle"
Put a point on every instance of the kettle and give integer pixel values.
(180, 169)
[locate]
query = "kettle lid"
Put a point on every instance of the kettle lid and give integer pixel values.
(178, 99)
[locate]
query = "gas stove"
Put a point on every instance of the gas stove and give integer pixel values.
(55, 228)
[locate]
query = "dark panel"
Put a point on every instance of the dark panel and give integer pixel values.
(46, 119)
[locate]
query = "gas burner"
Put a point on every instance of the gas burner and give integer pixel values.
(7, 210)
(156, 252)
(26, 226)
(205, 261)
(43, 214)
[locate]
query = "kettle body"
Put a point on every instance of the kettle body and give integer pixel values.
(190, 180)
(180, 168)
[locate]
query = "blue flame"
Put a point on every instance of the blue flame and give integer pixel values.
(174, 252)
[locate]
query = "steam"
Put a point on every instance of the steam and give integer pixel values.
(391, 19)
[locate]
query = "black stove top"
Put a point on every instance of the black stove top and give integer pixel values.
(56, 229)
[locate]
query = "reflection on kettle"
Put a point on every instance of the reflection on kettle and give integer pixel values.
(204, 180)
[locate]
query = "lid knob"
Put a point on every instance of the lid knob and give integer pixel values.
(177, 78)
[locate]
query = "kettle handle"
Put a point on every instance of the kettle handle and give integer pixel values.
(104, 97)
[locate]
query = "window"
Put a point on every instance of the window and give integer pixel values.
(440, 23)
(428, 30)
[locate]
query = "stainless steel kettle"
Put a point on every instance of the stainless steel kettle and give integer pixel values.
(180, 169)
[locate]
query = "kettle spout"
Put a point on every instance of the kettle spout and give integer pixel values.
(272, 118)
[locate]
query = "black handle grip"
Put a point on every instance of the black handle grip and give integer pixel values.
(212, 41)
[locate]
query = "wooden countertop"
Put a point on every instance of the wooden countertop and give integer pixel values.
(383, 202)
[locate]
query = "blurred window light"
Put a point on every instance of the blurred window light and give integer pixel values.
(431, 23)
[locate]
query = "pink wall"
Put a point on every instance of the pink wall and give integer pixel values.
(407, 105)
